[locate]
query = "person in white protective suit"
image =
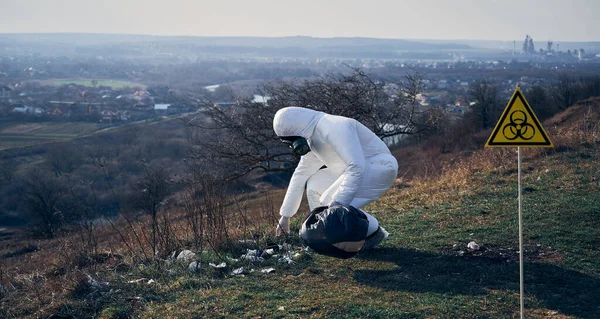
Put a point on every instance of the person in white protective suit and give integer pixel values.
(342, 163)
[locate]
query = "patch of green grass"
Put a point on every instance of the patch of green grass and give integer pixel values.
(27, 134)
(424, 270)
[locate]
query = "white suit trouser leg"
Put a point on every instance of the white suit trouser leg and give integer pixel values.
(320, 182)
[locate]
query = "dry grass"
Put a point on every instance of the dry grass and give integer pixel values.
(46, 277)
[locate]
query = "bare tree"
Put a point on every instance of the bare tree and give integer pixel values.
(486, 108)
(7, 170)
(239, 139)
(152, 189)
(43, 197)
(539, 101)
(566, 91)
(63, 158)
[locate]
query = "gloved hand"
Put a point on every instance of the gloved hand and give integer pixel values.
(284, 226)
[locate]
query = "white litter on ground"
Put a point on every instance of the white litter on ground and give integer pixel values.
(186, 255)
(194, 267)
(137, 281)
(285, 259)
(238, 271)
(473, 246)
(267, 270)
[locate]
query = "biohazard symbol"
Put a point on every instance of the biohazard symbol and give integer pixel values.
(518, 126)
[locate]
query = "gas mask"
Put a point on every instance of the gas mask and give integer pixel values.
(297, 144)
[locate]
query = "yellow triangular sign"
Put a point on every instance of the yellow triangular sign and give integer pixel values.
(518, 126)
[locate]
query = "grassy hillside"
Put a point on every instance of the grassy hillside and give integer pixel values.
(424, 270)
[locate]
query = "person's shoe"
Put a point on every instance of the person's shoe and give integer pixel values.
(375, 239)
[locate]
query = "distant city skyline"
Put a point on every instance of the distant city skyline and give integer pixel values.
(499, 20)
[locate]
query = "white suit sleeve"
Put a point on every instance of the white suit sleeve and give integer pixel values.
(308, 165)
(346, 144)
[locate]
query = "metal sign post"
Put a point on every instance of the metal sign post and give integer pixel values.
(520, 240)
(518, 126)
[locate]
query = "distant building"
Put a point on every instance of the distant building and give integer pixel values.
(165, 109)
(442, 84)
(24, 109)
(260, 99)
(108, 116)
(528, 47)
(5, 92)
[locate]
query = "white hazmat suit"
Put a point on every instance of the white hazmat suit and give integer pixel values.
(359, 166)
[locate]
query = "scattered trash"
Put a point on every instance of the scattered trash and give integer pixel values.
(267, 270)
(239, 271)
(194, 267)
(96, 284)
(151, 281)
(297, 256)
(221, 265)
(552, 313)
(285, 259)
(473, 246)
(233, 260)
(268, 252)
(461, 252)
(137, 281)
(137, 298)
(186, 255)
(247, 241)
(282, 308)
(252, 255)
(285, 247)
(308, 249)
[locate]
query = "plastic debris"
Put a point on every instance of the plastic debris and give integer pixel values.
(238, 271)
(473, 246)
(285, 247)
(252, 255)
(267, 270)
(282, 308)
(233, 260)
(194, 267)
(285, 260)
(221, 265)
(96, 284)
(308, 249)
(186, 255)
(151, 281)
(247, 241)
(137, 281)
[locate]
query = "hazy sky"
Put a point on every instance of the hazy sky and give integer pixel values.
(559, 20)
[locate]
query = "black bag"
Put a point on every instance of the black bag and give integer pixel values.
(336, 231)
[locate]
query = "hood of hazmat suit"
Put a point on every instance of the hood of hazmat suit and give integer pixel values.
(342, 144)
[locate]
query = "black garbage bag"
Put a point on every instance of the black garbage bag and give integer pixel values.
(336, 231)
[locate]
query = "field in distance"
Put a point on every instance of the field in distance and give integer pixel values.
(14, 135)
(114, 84)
